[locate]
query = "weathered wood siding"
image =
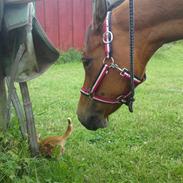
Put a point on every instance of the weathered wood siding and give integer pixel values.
(65, 21)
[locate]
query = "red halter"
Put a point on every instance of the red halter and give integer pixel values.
(124, 73)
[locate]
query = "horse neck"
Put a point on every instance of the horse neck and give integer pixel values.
(157, 22)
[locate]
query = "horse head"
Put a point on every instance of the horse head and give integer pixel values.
(106, 64)
(107, 77)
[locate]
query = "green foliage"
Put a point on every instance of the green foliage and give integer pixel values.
(71, 55)
(144, 147)
(12, 163)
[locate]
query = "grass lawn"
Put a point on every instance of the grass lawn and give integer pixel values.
(144, 147)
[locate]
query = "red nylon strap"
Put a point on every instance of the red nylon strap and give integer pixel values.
(102, 98)
(127, 75)
(99, 79)
(107, 36)
(120, 99)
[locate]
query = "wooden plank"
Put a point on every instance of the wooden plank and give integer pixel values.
(18, 109)
(78, 23)
(65, 24)
(3, 101)
(88, 13)
(51, 23)
(65, 21)
(31, 129)
(12, 76)
(40, 12)
(20, 113)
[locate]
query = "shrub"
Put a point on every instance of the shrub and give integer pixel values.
(72, 55)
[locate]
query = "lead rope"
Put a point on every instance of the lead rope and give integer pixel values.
(132, 43)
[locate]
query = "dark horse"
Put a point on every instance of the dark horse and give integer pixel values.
(156, 22)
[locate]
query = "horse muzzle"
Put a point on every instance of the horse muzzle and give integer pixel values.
(92, 122)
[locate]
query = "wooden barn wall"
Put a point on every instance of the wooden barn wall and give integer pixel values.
(65, 21)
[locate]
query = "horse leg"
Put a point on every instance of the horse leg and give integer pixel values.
(31, 130)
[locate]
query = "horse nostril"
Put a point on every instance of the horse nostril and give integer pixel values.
(94, 122)
(91, 123)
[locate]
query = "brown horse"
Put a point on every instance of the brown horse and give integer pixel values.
(156, 22)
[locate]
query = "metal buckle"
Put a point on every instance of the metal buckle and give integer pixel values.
(106, 35)
(108, 59)
(124, 70)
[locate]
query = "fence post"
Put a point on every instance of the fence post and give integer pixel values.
(20, 113)
(31, 129)
(3, 101)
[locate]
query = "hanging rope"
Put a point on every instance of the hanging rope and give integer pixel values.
(132, 45)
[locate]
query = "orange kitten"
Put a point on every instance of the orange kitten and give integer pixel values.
(47, 145)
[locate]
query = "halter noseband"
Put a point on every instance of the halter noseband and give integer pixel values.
(108, 63)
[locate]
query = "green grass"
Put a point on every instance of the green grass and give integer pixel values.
(144, 147)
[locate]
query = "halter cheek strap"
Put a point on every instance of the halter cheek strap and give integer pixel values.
(123, 72)
(108, 35)
(122, 99)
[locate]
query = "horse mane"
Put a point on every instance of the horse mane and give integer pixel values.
(114, 5)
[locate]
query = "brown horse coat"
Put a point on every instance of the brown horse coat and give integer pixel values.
(157, 22)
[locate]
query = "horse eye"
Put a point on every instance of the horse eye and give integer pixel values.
(86, 61)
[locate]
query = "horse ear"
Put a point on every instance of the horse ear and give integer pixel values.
(99, 13)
